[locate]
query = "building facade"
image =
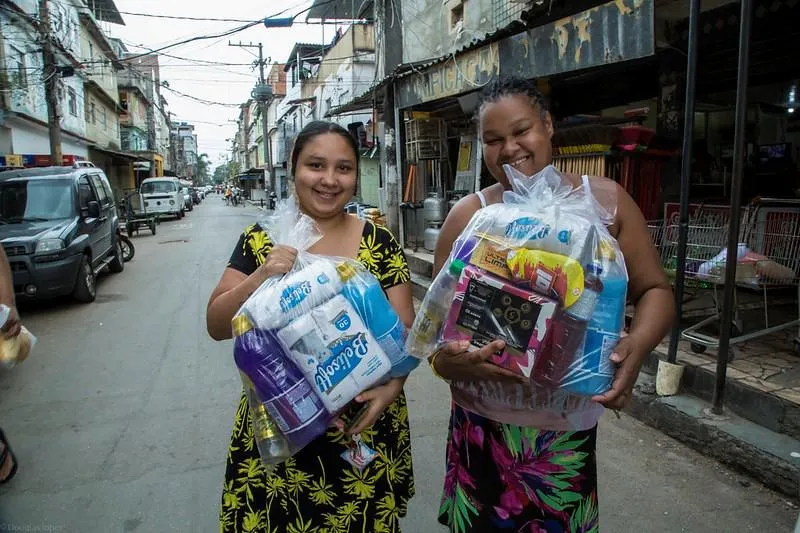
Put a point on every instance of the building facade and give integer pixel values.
(101, 105)
(23, 109)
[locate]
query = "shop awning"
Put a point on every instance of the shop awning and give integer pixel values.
(307, 100)
(371, 153)
(361, 102)
(252, 174)
(115, 153)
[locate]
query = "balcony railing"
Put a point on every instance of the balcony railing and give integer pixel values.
(135, 80)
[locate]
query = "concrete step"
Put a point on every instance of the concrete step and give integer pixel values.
(770, 457)
(755, 405)
(419, 285)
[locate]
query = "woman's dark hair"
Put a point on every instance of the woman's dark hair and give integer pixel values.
(501, 88)
(321, 127)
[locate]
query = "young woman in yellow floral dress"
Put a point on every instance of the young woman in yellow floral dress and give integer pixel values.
(317, 490)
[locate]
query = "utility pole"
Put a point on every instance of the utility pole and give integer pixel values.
(263, 95)
(50, 72)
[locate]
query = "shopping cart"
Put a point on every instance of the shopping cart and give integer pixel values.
(768, 262)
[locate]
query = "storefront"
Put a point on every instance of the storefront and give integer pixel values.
(252, 183)
(596, 49)
(118, 167)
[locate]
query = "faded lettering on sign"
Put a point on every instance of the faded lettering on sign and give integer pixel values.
(459, 74)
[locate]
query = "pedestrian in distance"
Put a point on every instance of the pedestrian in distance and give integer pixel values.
(317, 489)
(503, 475)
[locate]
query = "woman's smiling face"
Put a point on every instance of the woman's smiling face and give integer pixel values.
(517, 132)
(326, 175)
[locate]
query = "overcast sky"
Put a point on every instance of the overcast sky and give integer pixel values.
(226, 84)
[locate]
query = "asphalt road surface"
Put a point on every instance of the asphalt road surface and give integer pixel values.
(120, 418)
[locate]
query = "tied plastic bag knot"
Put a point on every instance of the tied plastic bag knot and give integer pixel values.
(286, 225)
(549, 188)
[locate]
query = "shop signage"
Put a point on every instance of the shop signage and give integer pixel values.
(455, 75)
(36, 160)
(617, 31)
(613, 32)
(13, 160)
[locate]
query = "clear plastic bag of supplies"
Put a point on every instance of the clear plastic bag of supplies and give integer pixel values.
(541, 272)
(16, 349)
(308, 342)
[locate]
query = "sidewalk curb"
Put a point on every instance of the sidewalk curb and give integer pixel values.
(755, 450)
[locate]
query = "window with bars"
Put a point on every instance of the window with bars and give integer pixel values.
(457, 17)
(72, 101)
(506, 11)
(17, 68)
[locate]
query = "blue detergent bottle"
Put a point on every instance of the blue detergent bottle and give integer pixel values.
(366, 295)
(596, 372)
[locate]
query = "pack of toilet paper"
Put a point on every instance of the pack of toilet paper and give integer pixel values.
(327, 320)
(336, 352)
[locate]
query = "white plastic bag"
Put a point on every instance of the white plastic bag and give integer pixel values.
(310, 341)
(16, 349)
(541, 272)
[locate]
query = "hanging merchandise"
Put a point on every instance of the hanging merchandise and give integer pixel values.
(467, 162)
(541, 272)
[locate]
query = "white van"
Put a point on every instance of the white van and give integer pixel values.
(163, 196)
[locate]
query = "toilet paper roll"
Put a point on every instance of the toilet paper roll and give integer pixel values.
(336, 352)
(299, 291)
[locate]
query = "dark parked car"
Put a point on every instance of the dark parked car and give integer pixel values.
(58, 226)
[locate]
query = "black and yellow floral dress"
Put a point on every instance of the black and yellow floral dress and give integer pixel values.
(317, 491)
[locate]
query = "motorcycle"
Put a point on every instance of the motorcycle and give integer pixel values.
(128, 250)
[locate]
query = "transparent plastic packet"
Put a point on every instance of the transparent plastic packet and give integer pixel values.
(308, 342)
(541, 272)
(15, 350)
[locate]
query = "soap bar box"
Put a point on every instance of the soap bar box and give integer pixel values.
(487, 308)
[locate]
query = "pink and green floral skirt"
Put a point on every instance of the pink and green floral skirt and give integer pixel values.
(502, 477)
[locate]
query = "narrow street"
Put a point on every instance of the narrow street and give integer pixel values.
(120, 418)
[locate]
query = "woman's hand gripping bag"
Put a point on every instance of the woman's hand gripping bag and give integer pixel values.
(314, 338)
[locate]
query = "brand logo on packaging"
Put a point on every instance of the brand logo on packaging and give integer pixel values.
(342, 321)
(346, 352)
(294, 294)
(322, 279)
(532, 229)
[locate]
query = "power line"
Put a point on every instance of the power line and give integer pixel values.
(201, 100)
(202, 19)
(226, 33)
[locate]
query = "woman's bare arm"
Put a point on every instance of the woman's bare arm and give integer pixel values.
(648, 286)
(651, 294)
(402, 302)
(230, 293)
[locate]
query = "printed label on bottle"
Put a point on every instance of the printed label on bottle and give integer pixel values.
(584, 307)
(393, 343)
(295, 408)
(263, 427)
(598, 349)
